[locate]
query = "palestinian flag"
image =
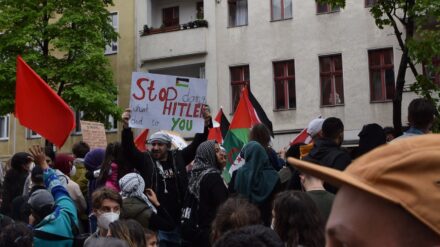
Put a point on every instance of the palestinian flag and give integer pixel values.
(220, 129)
(260, 113)
(244, 118)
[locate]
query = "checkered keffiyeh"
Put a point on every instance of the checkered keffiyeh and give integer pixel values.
(133, 185)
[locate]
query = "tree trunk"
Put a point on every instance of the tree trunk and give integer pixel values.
(397, 101)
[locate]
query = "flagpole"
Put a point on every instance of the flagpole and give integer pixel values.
(15, 135)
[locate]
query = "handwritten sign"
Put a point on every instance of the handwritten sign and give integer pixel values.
(93, 133)
(167, 102)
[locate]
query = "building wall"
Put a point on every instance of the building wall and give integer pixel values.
(350, 32)
(122, 63)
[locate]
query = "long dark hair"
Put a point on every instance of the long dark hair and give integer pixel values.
(297, 220)
(128, 230)
(113, 154)
(261, 134)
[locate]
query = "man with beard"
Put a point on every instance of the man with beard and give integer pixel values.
(163, 170)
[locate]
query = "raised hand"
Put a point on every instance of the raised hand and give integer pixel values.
(39, 156)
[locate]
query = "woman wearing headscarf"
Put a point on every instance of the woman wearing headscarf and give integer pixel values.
(208, 188)
(256, 180)
(142, 205)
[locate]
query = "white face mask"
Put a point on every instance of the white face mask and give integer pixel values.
(72, 171)
(105, 219)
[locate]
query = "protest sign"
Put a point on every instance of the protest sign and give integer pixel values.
(167, 102)
(93, 133)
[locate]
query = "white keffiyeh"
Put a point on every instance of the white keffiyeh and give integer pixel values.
(133, 185)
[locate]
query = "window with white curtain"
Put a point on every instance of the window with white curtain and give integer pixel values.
(281, 9)
(4, 127)
(112, 48)
(238, 13)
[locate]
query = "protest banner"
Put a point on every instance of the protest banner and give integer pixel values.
(167, 102)
(93, 133)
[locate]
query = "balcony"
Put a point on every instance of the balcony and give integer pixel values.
(171, 42)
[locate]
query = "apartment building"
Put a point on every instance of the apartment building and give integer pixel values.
(121, 54)
(301, 59)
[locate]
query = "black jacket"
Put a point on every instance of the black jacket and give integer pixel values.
(171, 193)
(327, 153)
(213, 192)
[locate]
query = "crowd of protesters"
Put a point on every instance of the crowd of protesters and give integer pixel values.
(383, 193)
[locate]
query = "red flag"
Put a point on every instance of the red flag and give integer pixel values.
(39, 108)
(302, 137)
(140, 140)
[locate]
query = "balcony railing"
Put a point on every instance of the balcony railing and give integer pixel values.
(190, 25)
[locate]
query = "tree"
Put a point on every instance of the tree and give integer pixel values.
(416, 25)
(63, 41)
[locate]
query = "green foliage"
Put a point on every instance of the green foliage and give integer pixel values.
(64, 42)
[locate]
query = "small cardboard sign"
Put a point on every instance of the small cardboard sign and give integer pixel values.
(93, 133)
(163, 102)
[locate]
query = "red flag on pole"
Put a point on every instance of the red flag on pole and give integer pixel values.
(39, 108)
(140, 140)
(302, 137)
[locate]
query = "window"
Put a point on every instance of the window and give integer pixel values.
(323, 8)
(112, 123)
(78, 116)
(370, 3)
(281, 9)
(332, 89)
(381, 74)
(239, 78)
(112, 48)
(433, 71)
(4, 127)
(32, 134)
(237, 12)
(199, 9)
(284, 78)
(170, 16)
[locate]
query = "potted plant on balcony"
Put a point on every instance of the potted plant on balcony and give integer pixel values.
(146, 29)
(201, 23)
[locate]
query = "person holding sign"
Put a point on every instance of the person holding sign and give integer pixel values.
(163, 170)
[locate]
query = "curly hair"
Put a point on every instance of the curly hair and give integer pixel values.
(297, 220)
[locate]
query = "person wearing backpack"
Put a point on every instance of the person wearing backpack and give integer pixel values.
(206, 192)
(53, 213)
(163, 170)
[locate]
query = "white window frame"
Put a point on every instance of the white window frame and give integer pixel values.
(30, 134)
(78, 117)
(4, 127)
(113, 47)
(113, 123)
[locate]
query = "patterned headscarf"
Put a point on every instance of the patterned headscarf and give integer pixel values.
(205, 162)
(133, 185)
